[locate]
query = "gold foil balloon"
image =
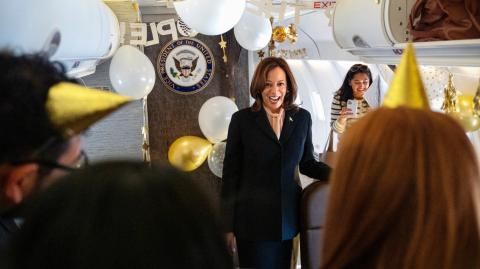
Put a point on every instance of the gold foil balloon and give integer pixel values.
(279, 34)
(189, 152)
(464, 113)
(476, 101)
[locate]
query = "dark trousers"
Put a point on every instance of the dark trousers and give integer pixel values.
(264, 254)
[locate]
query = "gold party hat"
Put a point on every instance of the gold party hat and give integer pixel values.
(407, 88)
(73, 108)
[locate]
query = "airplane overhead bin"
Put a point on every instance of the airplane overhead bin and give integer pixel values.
(79, 34)
(377, 31)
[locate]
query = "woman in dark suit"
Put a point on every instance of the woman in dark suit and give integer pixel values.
(265, 145)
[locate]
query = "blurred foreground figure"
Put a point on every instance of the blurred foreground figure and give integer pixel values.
(42, 113)
(406, 196)
(121, 215)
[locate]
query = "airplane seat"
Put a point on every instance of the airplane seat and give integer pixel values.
(312, 213)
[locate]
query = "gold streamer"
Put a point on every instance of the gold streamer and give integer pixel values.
(223, 46)
(279, 34)
(292, 35)
(476, 101)
(145, 133)
(261, 54)
(450, 96)
(271, 43)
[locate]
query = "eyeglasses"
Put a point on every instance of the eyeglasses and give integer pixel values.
(79, 163)
(358, 67)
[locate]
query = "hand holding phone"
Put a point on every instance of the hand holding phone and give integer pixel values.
(352, 106)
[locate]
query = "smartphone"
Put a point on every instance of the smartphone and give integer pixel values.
(352, 105)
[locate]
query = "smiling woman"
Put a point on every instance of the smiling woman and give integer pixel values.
(266, 144)
(348, 103)
(275, 90)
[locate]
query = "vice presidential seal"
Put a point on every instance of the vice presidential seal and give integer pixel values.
(185, 65)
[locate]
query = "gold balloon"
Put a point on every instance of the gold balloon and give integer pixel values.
(465, 103)
(464, 113)
(189, 152)
(279, 34)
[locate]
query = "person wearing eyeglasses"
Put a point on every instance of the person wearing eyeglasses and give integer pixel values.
(266, 146)
(348, 103)
(35, 150)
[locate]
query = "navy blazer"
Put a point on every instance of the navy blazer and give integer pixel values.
(8, 228)
(260, 196)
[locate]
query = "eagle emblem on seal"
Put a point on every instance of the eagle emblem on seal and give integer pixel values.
(185, 65)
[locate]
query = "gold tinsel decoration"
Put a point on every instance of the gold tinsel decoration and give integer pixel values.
(450, 96)
(476, 101)
(261, 54)
(271, 43)
(282, 33)
(279, 34)
(292, 35)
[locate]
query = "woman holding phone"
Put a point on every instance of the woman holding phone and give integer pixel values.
(348, 103)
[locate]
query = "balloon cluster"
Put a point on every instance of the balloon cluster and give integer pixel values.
(464, 113)
(214, 17)
(189, 152)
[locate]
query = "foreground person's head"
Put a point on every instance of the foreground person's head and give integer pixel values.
(405, 194)
(121, 215)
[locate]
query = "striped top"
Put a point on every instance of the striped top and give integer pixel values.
(337, 106)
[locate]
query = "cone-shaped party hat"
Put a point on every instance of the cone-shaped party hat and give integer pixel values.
(406, 88)
(73, 108)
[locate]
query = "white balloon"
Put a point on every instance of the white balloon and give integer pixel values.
(214, 118)
(131, 72)
(210, 17)
(253, 31)
(215, 159)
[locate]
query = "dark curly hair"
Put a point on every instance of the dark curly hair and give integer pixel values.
(345, 90)
(24, 84)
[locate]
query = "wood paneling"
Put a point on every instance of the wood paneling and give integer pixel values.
(173, 115)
